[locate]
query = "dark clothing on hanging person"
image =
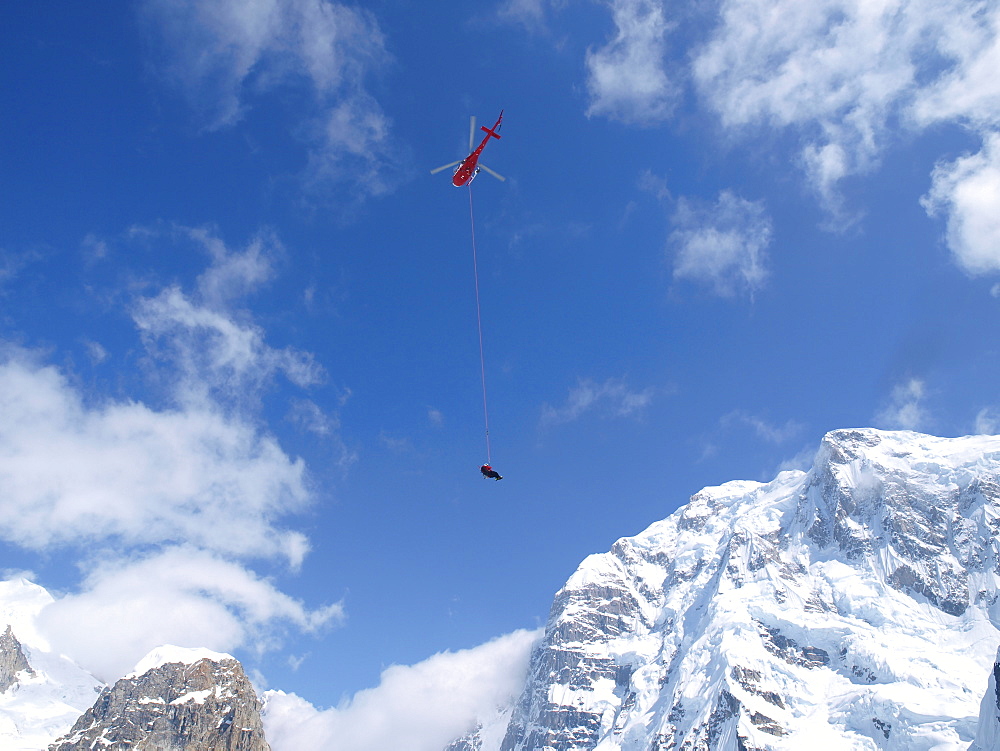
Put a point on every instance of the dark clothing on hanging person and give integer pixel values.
(488, 471)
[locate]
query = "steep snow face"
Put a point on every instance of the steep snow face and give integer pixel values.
(851, 607)
(988, 735)
(47, 691)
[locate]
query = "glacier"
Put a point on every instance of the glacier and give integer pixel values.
(853, 606)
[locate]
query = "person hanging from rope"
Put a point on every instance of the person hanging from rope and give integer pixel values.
(488, 471)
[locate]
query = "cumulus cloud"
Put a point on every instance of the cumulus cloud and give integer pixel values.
(723, 244)
(217, 52)
(967, 192)
(905, 410)
(180, 595)
(420, 707)
(613, 398)
(72, 473)
(626, 78)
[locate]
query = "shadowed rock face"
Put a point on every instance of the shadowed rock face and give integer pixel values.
(204, 706)
(12, 660)
(756, 608)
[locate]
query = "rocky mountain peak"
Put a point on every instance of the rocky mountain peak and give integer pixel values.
(177, 700)
(12, 660)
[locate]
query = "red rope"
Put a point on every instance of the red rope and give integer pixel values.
(479, 321)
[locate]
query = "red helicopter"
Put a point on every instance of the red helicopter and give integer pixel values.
(469, 167)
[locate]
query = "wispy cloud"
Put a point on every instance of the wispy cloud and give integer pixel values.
(531, 14)
(723, 244)
(906, 407)
(987, 421)
(220, 52)
(215, 349)
(764, 429)
(626, 78)
(420, 707)
(613, 398)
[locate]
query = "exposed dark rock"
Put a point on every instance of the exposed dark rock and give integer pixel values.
(12, 660)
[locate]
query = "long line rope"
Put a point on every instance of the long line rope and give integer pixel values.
(479, 321)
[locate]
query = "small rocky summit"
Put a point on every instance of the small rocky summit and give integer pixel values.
(175, 700)
(12, 660)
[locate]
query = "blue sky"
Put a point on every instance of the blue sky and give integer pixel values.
(240, 365)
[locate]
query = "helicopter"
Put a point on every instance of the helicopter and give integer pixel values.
(469, 167)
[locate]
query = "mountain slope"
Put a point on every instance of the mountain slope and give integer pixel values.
(850, 607)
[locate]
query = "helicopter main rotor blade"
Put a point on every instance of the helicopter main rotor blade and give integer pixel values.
(446, 166)
(498, 176)
(472, 130)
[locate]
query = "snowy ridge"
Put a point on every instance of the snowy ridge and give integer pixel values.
(167, 653)
(850, 607)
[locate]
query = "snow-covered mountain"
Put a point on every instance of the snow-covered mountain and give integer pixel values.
(41, 692)
(851, 607)
(854, 606)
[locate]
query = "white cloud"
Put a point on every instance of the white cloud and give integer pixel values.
(905, 410)
(216, 51)
(72, 472)
(967, 192)
(216, 351)
(180, 595)
(722, 245)
(613, 398)
(846, 74)
(163, 506)
(626, 78)
(420, 707)
(969, 90)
